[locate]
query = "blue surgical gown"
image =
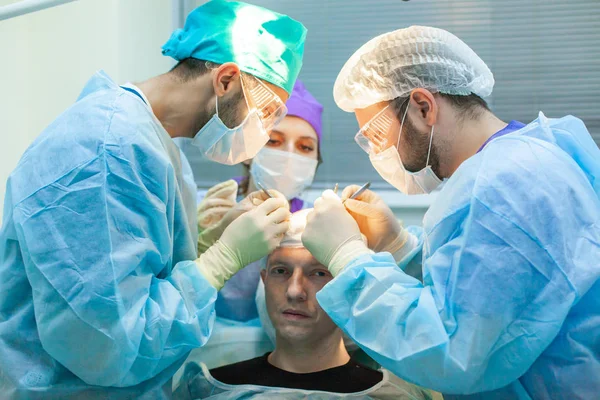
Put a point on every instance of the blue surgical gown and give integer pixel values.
(100, 294)
(509, 306)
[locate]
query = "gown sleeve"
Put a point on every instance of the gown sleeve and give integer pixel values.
(98, 245)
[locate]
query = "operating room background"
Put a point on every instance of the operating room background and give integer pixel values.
(544, 55)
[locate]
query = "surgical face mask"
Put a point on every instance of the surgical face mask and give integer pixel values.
(388, 162)
(286, 172)
(233, 145)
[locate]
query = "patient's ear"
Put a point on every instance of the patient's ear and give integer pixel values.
(263, 273)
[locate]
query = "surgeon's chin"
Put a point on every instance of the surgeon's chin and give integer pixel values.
(413, 167)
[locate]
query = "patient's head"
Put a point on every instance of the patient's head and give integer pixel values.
(292, 279)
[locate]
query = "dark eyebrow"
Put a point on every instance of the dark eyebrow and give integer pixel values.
(282, 261)
(314, 265)
(277, 263)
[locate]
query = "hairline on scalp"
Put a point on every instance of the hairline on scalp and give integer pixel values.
(469, 107)
(190, 68)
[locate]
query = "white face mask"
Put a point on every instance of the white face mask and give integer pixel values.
(286, 172)
(389, 165)
(231, 145)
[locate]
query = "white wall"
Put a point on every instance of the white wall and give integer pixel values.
(48, 56)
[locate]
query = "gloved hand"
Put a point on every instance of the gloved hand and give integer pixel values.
(218, 200)
(210, 235)
(331, 234)
(250, 237)
(376, 221)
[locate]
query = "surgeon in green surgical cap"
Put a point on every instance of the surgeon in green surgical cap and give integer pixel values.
(103, 294)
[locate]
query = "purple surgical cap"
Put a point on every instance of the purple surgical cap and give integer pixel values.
(303, 105)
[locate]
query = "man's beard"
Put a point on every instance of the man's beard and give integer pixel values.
(232, 112)
(417, 147)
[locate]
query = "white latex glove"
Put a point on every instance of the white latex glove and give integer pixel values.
(249, 238)
(211, 234)
(377, 222)
(216, 203)
(332, 235)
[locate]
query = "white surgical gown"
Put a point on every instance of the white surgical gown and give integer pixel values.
(100, 296)
(509, 307)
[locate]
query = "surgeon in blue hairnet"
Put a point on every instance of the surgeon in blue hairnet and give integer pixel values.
(103, 294)
(509, 302)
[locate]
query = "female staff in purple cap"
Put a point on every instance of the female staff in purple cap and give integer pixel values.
(289, 160)
(287, 164)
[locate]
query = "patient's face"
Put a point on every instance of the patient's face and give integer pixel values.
(292, 279)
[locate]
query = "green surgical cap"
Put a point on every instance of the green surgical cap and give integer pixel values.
(261, 42)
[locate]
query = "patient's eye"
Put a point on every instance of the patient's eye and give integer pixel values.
(278, 271)
(321, 273)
